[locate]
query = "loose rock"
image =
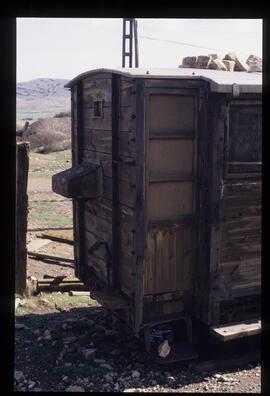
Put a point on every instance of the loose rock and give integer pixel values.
(18, 375)
(202, 62)
(89, 353)
(217, 64)
(229, 64)
(254, 63)
(189, 61)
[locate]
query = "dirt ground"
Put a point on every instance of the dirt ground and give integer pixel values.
(70, 343)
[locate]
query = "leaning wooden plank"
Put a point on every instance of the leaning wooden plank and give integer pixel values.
(37, 244)
(59, 236)
(79, 293)
(49, 257)
(233, 331)
(63, 287)
(58, 279)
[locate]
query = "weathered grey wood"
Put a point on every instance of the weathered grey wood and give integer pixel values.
(80, 181)
(59, 236)
(183, 221)
(140, 235)
(237, 330)
(218, 109)
(105, 122)
(78, 207)
(49, 257)
(101, 141)
(22, 159)
(127, 170)
(102, 208)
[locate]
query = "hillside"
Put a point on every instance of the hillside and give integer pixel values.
(40, 98)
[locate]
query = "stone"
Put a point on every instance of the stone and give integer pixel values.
(231, 56)
(46, 333)
(220, 378)
(254, 64)
(31, 384)
(68, 364)
(89, 353)
(99, 361)
(109, 332)
(74, 388)
(229, 64)
(189, 61)
(129, 390)
(217, 64)
(116, 352)
(164, 349)
(213, 56)
(19, 326)
(18, 375)
(241, 66)
(17, 303)
(135, 374)
(202, 62)
(106, 366)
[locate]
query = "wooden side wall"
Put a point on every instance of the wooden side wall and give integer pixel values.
(97, 145)
(235, 254)
(240, 250)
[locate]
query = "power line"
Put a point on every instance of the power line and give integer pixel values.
(186, 44)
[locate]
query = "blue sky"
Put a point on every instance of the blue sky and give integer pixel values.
(65, 47)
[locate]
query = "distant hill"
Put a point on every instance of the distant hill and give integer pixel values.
(41, 98)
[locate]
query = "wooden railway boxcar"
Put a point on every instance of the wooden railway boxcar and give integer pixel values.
(166, 189)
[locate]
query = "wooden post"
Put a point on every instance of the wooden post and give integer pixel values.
(22, 162)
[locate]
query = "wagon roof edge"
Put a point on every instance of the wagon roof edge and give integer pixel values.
(220, 81)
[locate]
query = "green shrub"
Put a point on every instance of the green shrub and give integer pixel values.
(63, 114)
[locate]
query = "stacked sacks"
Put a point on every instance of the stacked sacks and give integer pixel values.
(230, 62)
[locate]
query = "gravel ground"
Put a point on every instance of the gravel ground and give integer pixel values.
(79, 346)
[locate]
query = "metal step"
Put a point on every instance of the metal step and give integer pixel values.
(232, 331)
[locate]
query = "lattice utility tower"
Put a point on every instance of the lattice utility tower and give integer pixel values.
(130, 31)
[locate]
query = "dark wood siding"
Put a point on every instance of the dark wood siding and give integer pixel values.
(240, 250)
(97, 146)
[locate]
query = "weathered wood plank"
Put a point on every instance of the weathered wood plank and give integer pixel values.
(127, 169)
(242, 250)
(105, 122)
(237, 330)
(101, 141)
(127, 92)
(169, 261)
(140, 236)
(97, 89)
(126, 273)
(241, 211)
(242, 188)
(103, 209)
